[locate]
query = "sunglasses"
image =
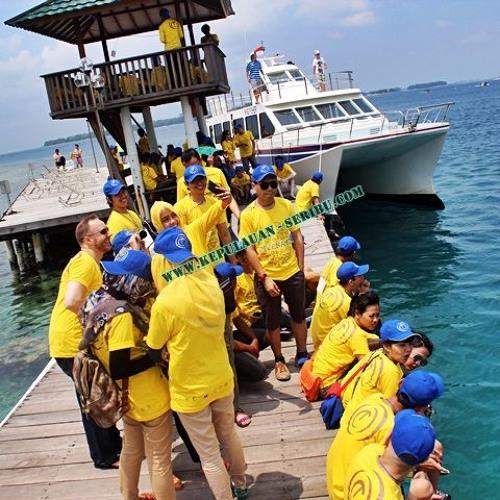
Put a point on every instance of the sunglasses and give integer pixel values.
(102, 231)
(268, 184)
(418, 358)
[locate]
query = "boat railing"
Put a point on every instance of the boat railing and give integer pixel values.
(433, 113)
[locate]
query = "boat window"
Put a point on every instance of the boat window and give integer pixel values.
(286, 117)
(349, 107)
(330, 110)
(364, 105)
(266, 125)
(278, 77)
(296, 74)
(308, 114)
(226, 126)
(217, 132)
(238, 121)
(252, 124)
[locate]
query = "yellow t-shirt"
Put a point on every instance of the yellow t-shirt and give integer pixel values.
(188, 211)
(338, 350)
(229, 148)
(148, 391)
(213, 174)
(177, 168)
(367, 480)
(244, 180)
(65, 330)
(371, 422)
(330, 309)
(144, 145)
(196, 233)
(118, 222)
(244, 141)
(329, 275)
(188, 316)
(149, 176)
(285, 172)
(246, 299)
(381, 375)
(171, 34)
(276, 253)
(306, 193)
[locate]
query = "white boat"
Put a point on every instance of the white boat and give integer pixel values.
(339, 132)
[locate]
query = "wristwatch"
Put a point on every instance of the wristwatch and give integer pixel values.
(262, 277)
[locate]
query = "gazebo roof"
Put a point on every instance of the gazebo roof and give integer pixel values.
(87, 21)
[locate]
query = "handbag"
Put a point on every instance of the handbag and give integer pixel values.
(332, 407)
(310, 383)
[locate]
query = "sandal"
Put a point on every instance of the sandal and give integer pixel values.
(178, 483)
(241, 419)
(147, 496)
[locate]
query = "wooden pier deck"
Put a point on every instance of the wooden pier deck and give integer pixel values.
(44, 455)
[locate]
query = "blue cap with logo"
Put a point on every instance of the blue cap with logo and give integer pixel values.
(349, 270)
(194, 171)
(395, 330)
(228, 270)
(421, 388)
(130, 261)
(347, 245)
(413, 437)
(174, 245)
(121, 239)
(262, 171)
(112, 187)
(317, 176)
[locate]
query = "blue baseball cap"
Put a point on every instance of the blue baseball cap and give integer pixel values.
(239, 168)
(421, 388)
(121, 239)
(413, 437)
(262, 171)
(178, 151)
(395, 330)
(112, 187)
(164, 13)
(317, 176)
(130, 261)
(228, 270)
(194, 171)
(174, 245)
(347, 245)
(349, 270)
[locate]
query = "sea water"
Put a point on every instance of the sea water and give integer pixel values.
(438, 270)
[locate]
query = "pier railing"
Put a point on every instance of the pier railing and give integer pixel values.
(149, 79)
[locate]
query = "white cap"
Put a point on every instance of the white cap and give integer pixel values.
(316, 52)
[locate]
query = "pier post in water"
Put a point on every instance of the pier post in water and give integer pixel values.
(11, 254)
(38, 247)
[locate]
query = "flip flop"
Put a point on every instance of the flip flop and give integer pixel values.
(178, 483)
(146, 496)
(242, 419)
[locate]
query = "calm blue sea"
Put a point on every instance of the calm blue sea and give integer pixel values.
(436, 269)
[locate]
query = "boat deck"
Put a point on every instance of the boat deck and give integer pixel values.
(44, 455)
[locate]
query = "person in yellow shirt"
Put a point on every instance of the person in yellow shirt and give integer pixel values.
(278, 264)
(117, 341)
(228, 147)
(240, 186)
(81, 276)
(349, 340)
(383, 373)
(196, 204)
(333, 305)
(345, 251)
(170, 30)
(378, 471)
(245, 141)
(188, 319)
(308, 194)
(286, 177)
(144, 146)
(152, 181)
(373, 421)
(120, 217)
(176, 166)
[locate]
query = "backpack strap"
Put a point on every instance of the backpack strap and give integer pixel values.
(361, 369)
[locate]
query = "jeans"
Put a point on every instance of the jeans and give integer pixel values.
(104, 444)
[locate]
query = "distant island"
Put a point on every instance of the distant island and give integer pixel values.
(384, 91)
(80, 137)
(427, 85)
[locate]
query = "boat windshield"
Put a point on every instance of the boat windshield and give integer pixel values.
(330, 110)
(287, 117)
(278, 77)
(308, 114)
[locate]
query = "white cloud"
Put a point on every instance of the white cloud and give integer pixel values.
(442, 23)
(479, 37)
(358, 19)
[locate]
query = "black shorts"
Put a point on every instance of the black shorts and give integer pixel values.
(293, 291)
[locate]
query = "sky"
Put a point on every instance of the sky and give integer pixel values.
(386, 43)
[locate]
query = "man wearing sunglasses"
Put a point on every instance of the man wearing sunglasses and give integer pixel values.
(278, 262)
(81, 276)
